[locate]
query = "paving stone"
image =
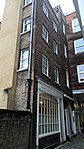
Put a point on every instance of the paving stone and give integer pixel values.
(76, 143)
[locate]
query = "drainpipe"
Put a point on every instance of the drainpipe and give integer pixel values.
(29, 74)
(30, 59)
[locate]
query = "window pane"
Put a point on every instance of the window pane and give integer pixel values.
(64, 29)
(75, 25)
(65, 51)
(79, 45)
(79, 42)
(67, 78)
(45, 33)
(26, 24)
(24, 59)
(55, 47)
(39, 129)
(45, 128)
(45, 65)
(26, 2)
(55, 26)
(80, 70)
(45, 9)
(49, 128)
(56, 74)
(48, 119)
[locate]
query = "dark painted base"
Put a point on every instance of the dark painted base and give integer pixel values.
(49, 142)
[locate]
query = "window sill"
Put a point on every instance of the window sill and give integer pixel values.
(26, 5)
(48, 134)
(20, 70)
(74, 32)
(46, 75)
(68, 87)
(66, 57)
(79, 53)
(64, 34)
(58, 83)
(80, 82)
(55, 30)
(46, 16)
(24, 32)
(46, 42)
(56, 54)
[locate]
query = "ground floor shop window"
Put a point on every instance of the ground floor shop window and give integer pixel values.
(48, 114)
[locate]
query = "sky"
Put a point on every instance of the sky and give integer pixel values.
(66, 5)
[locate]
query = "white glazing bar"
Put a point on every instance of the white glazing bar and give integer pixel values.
(41, 117)
(52, 116)
(37, 138)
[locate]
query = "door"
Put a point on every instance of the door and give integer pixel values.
(68, 121)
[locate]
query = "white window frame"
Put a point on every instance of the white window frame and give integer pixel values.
(79, 73)
(22, 59)
(55, 47)
(45, 9)
(45, 65)
(65, 51)
(45, 33)
(64, 27)
(48, 116)
(56, 74)
(26, 25)
(27, 2)
(78, 46)
(76, 28)
(54, 26)
(67, 78)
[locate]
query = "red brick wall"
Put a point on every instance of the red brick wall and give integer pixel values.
(75, 59)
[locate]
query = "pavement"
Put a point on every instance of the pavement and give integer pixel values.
(76, 143)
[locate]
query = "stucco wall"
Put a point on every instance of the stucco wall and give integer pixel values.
(8, 47)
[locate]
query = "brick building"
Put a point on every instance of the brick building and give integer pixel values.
(76, 58)
(33, 36)
(79, 10)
